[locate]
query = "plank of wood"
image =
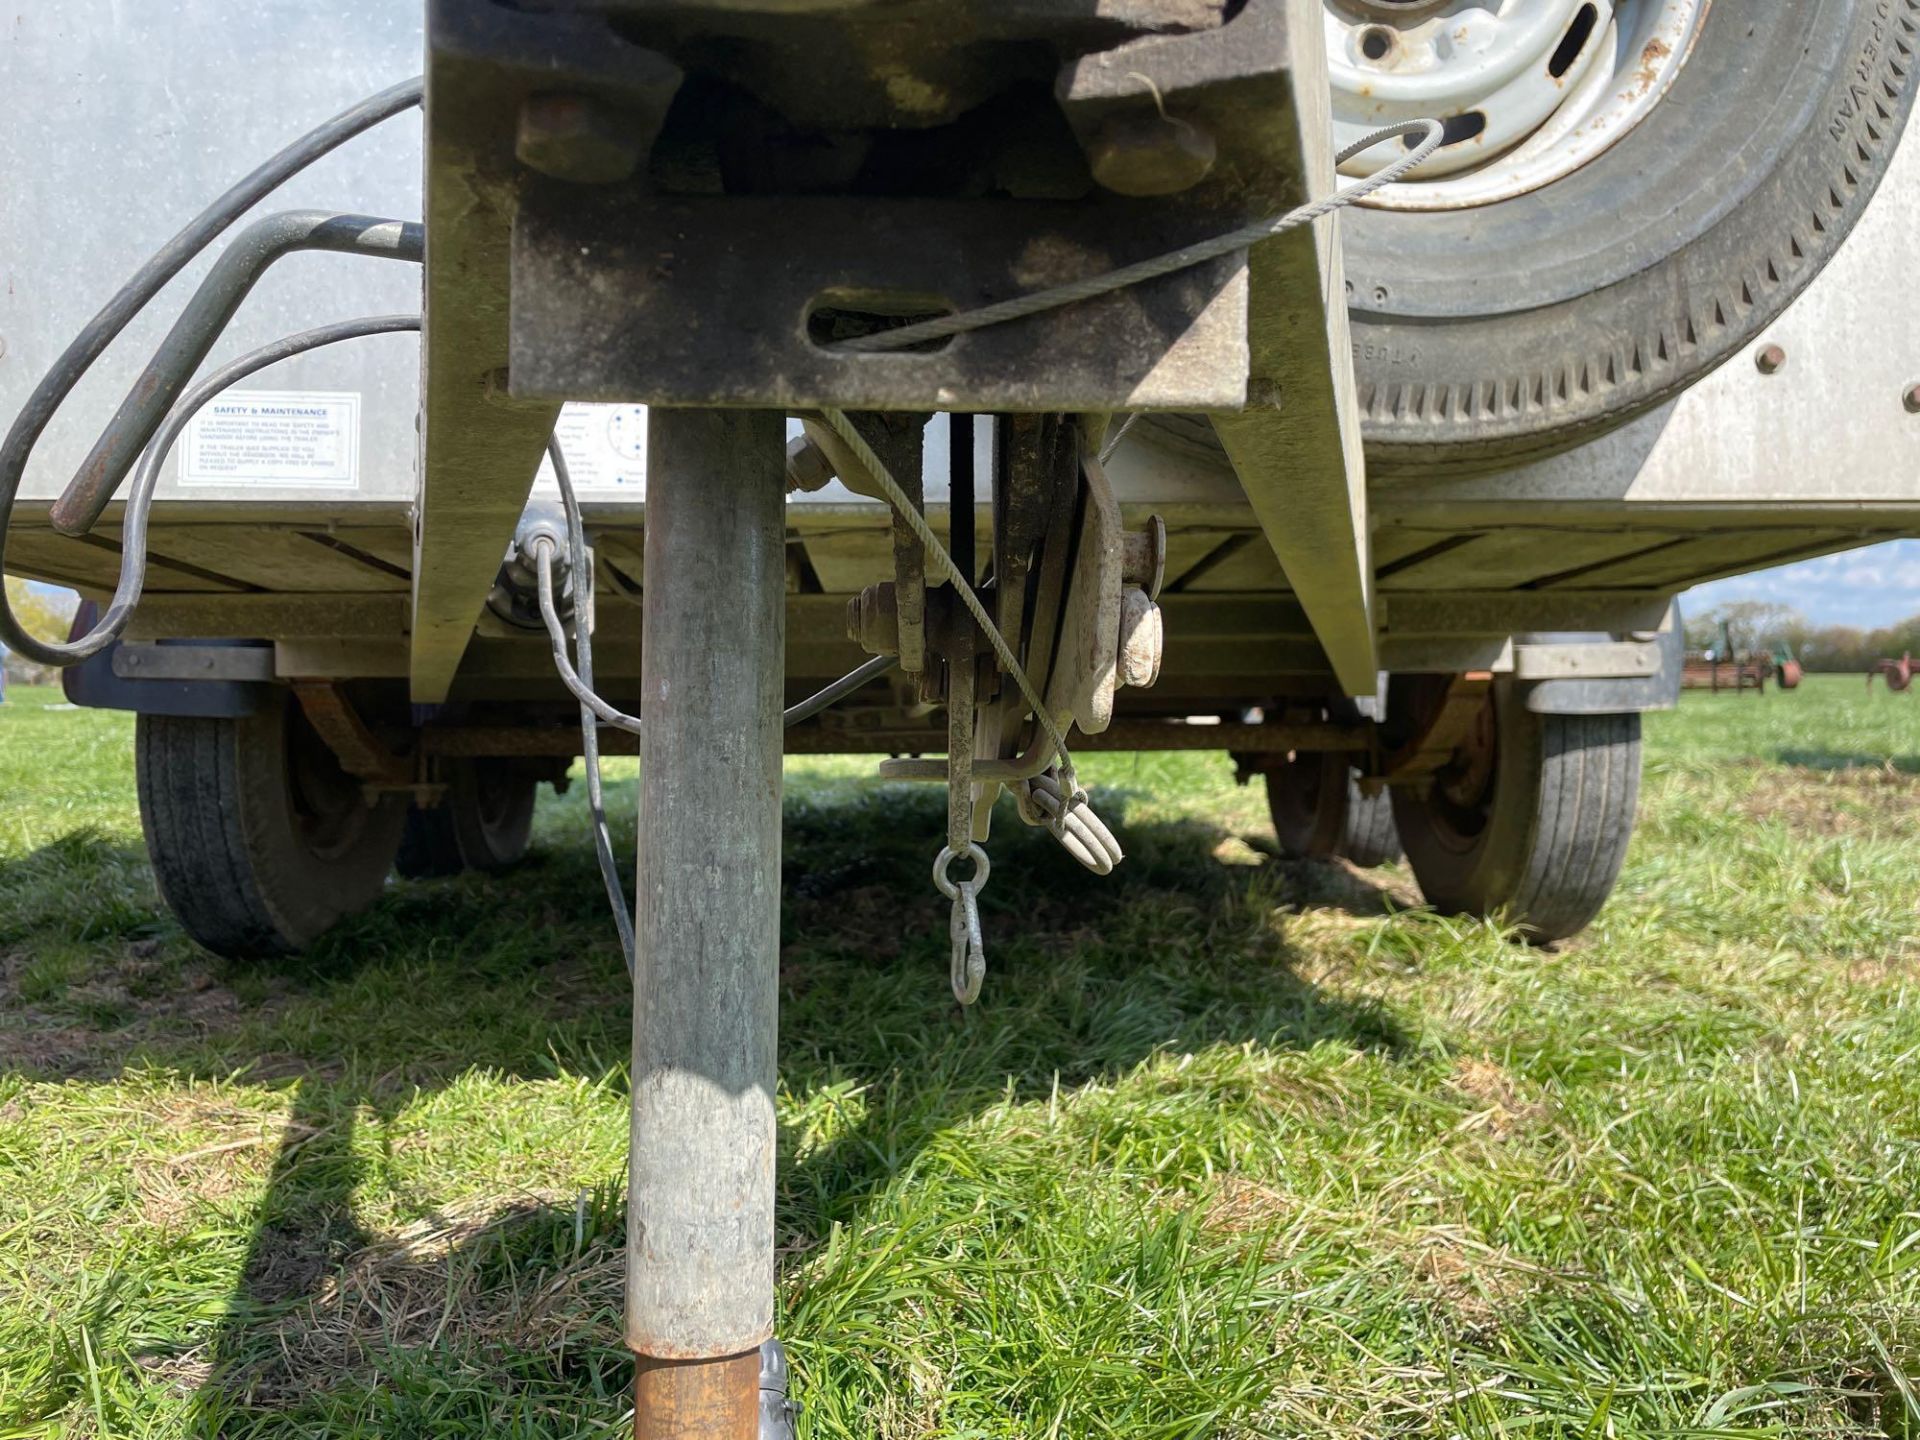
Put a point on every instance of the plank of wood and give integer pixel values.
(1685, 562)
(847, 561)
(1188, 548)
(267, 558)
(1251, 567)
(93, 561)
(391, 543)
(1509, 558)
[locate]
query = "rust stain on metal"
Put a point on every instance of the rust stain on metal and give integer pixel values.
(1648, 75)
(697, 1399)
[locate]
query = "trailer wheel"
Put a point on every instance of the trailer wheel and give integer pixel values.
(1690, 167)
(483, 823)
(1319, 811)
(1531, 817)
(259, 840)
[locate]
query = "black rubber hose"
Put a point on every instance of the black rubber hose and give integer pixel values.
(253, 252)
(133, 541)
(132, 297)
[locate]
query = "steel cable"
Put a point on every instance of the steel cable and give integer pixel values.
(943, 327)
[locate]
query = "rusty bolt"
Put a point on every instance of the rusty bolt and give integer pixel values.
(1150, 154)
(1769, 358)
(1143, 639)
(1911, 399)
(808, 468)
(576, 138)
(873, 620)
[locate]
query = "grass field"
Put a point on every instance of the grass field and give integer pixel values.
(1230, 1146)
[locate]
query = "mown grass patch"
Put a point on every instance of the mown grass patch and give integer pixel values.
(1231, 1146)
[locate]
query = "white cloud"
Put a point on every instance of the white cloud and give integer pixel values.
(1873, 586)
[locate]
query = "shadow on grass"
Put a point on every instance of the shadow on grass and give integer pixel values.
(1823, 760)
(1088, 978)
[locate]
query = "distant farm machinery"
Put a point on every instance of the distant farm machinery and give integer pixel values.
(1897, 673)
(1725, 666)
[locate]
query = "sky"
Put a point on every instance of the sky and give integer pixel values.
(1864, 588)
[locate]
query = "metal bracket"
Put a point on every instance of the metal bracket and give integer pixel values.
(360, 751)
(1445, 729)
(135, 660)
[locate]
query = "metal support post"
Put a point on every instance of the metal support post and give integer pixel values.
(700, 1265)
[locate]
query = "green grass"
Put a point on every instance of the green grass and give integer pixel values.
(1230, 1146)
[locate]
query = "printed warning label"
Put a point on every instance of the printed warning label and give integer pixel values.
(275, 437)
(605, 446)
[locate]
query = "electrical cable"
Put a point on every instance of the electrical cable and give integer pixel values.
(168, 261)
(594, 710)
(943, 327)
(133, 541)
(589, 725)
(1022, 306)
(577, 686)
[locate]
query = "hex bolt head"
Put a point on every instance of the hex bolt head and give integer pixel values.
(873, 619)
(1769, 358)
(808, 468)
(1911, 399)
(576, 138)
(1150, 154)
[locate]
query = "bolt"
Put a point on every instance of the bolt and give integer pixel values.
(1769, 358)
(873, 619)
(1150, 154)
(1911, 399)
(576, 138)
(808, 467)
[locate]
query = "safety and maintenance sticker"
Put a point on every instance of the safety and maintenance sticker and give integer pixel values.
(289, 438)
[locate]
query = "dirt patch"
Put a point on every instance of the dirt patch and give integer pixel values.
(1852, 801)
(233, 1161)
(440, 1284)
(123, 1001)
(1474, 1280)
(1503, 1110)
(1239, 1205)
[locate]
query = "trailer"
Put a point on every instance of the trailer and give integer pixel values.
(981, 381)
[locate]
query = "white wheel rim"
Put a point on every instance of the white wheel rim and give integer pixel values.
(1530, 90)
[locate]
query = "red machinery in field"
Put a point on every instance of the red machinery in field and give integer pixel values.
(1897, 673)
(1726, 667)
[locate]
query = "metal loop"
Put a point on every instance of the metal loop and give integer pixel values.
(967, 969)
(982, 867)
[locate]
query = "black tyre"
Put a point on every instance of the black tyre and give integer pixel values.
(483, 823)
(1320, 813)
(1520, 326)
(259, 840)
(1529, 820)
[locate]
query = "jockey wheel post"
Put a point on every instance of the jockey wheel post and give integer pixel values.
(700, 1264)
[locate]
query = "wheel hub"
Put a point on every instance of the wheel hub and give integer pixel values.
(1528, 90)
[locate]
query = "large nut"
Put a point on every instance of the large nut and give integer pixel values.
(1143, 639)
(1147, 153)
(873, 619)
(808, 468)
(577, 138)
